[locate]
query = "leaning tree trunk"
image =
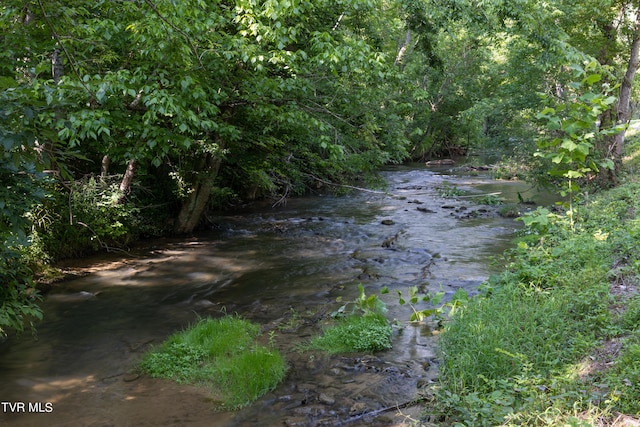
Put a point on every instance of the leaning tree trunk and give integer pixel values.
(127, 180)
(194, 205)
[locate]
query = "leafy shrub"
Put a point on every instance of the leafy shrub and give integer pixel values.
(20, 190)
(91, 217)
(18, 296)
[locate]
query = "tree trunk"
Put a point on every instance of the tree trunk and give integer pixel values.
(127, 180)
(403, 48)
(104, 166)
(194, 205)
(624, 102)
(57, 66)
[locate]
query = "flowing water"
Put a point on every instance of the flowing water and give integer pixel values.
(282, 267)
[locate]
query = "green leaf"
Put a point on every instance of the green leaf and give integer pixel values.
(593, 78)
(437, 298)
(573, 174)
(607, 164)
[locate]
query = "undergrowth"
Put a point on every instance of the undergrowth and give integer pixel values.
(554, 339)
(221, 354)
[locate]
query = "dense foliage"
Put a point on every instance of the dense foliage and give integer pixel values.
(142, 113)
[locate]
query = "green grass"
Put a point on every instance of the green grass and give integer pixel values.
(489, 199)
(359, 326)
(355, 333)
(548, 342)
(448, 190)
(221, 354)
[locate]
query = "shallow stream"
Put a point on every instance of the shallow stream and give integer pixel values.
(282, 267)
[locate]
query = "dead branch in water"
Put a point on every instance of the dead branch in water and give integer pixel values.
(347, 186)
(480, 195)
(377, 412)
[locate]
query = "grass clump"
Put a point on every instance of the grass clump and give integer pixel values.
(368, 333)
(221, 354)
(554, 339)
(490, 200)
(448, 190)
(360, 326)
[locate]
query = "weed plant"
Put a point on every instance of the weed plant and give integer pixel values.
(490, 200)
(354, 333)
(360, 326)
(531, 349)
(221, 354)
(448, 190)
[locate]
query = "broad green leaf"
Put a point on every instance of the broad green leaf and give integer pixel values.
(573, 174)
(569, 145)
(593, 78)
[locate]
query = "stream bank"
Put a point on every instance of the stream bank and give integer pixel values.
(281, 267)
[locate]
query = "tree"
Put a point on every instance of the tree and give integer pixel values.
(626, 88)
(263, 97)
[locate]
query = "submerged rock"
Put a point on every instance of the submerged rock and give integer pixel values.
(425, 210)
(358, 408)
(326, 399)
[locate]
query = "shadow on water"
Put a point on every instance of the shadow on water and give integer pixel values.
(281, 267)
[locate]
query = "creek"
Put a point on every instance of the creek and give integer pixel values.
(282, 267)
